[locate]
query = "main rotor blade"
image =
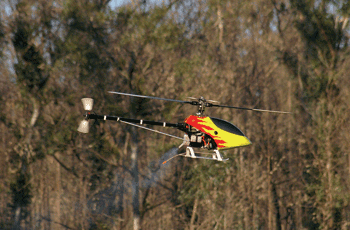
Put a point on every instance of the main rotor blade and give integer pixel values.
(150, 97)
(257, 110)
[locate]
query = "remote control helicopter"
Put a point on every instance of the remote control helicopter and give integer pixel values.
(200, 131)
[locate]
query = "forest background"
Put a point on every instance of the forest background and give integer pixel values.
(282, 55)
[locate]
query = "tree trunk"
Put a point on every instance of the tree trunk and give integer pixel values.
(25, 153)
(134, 150)
(277, 208)
(135, 184)
(57, 202)
(221, 29)
(194, 213)
(329, 200)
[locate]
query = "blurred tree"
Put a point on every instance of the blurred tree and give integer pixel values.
(285, 55)
(324, 40)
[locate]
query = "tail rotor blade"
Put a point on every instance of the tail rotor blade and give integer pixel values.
(87, 103)
(83, 126)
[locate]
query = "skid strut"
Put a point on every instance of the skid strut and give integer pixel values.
(190, 152)
(216, 155)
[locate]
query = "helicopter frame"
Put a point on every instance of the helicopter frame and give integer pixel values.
(197, 139)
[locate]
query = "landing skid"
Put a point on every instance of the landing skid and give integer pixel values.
(216, 155)
(190, 153)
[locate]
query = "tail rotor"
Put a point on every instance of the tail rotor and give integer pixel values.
(84, 124)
